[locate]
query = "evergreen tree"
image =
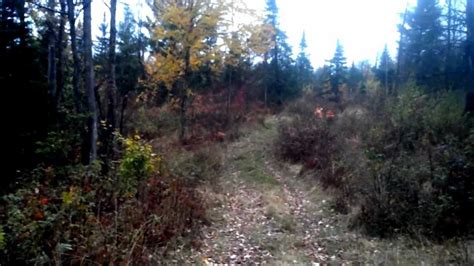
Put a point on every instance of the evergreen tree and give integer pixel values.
(304, 68)
(101, 51)
(424, 47)
(24, 86)
(322, 77)
(281, 75)
(386, 70)
(129, 68)
(338, 71)
(354, 80)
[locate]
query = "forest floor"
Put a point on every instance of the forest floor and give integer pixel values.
(264, 211)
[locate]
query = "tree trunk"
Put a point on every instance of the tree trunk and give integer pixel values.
(60, 44)
(89, 82)
(122, 113)
(75, 57)
(112, 87)
(50, 21)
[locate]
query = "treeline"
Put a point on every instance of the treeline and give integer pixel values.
(67, 84)
(435, 53)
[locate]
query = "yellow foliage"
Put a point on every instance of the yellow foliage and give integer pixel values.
(183, 27)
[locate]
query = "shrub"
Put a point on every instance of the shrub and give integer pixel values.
(307, 142)
(138, 162)
(405, 162)
(419, 170)
(57, 219)
(2, 238)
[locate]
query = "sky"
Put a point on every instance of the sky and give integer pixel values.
(362, 26)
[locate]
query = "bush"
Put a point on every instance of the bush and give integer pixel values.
(419, 169)
(127, 216)
(138, 162)
(307, 142)
(2, 238)
(405, 163)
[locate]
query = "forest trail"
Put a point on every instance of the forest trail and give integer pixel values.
(264, 213)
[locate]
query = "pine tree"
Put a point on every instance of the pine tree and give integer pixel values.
(385, 71)
(281, 77)
(24, 86)
(130, 66)
(354, 80)
(338, 71)
(304, 68)
(101, 51)
(424, 47)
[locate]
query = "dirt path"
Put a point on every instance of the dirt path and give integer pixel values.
(265, 214)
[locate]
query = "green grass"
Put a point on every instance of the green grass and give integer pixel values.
(250, 167)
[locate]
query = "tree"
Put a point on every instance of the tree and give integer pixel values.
(51, 36)
(355, 79)
(338, 71)
(272, 20)
(101, 51)
(61, 45)
(424, 47)
(281, 75)
(322, 77)
(24, 86)
(303, 65)
(469, 56)
(385, 71)
(130, 66)
(111, 82)
(78, 101)
(183, 30)
(89, 83)
(237, 48)
(469, 46)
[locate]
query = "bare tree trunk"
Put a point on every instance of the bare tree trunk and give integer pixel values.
(75, 56)
(60, 44)
(50, 21)
(112, 87)
(89, 81)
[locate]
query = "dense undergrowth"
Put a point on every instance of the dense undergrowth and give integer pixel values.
(74, 214)
(134, 204)
(400, 164)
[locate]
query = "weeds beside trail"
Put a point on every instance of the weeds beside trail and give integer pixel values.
(264, 211)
